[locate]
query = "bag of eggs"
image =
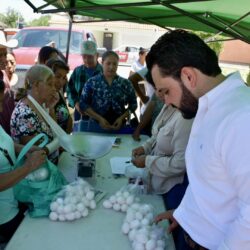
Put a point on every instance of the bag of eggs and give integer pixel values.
(123, 198)
(40, 174)
(142, 233)
(73, 202)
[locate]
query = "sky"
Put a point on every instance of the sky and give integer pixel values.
(22, 7)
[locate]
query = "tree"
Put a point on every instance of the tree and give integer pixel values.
(216, 46)
(42, 21)
(11, 18)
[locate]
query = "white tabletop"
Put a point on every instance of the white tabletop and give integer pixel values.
(101, 230)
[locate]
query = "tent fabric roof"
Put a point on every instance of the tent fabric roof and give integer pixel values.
(230, 17)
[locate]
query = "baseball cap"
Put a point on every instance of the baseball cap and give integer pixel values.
(89, 48)
(7, 44)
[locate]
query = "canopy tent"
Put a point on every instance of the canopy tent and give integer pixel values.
(227, 17)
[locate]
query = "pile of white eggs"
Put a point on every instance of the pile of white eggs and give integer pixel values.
(120, 201)
(73, 202)
(138, 226)
(40, 174)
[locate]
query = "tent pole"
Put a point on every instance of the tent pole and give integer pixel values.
(68, 39)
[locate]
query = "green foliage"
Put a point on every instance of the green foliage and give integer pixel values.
(216, 46)
(10, 19)
(42, 21)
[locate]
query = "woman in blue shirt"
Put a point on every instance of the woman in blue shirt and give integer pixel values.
(108, 98)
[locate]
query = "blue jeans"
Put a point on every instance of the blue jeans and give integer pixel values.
(172, 200)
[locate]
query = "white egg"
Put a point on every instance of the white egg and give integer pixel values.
(120, 200)
(86, 190)
(67, 200)
(116, 207)
(85, 202)
(80, 207)
(85, 212)
(124, 207)
(159, 248)
(130, 199)
(59, 201)
(135, 206)
(77, 214)
(138, 216)
(146, 208)
(142, 238)
(125, 228)
(112, 199)
(132, 234)
(107, 204)
(73, 200)
(160, 243)
(153, 235)
(145, 222)
(139, 246)
(119, 193)
(61, 217)
(90, 195)
(150, 217)
(125, 194)
(134, 224)
(130, 217)
(67, 209)
(41, 174)
(53, 206)
(70, 216)
(92, 204)
(53, 216)
(151, 245)
(60, 210)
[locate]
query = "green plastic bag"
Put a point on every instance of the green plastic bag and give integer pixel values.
(38, 194)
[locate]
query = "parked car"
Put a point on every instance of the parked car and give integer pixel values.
(127, 53)
(31, 39)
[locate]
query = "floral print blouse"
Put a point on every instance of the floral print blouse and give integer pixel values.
(25, 122)
(62, 113)
(102, 97)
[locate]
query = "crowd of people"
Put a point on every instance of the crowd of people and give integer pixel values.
(196, 157)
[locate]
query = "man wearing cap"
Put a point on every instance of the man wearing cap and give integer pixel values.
(81, 74)
(8, 102)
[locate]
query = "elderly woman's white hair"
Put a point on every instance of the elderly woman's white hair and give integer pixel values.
(35, 74)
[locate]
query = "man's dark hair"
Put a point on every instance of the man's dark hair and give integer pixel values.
(109, 53)
(177, 49)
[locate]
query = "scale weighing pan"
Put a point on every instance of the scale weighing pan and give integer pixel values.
(86, 146)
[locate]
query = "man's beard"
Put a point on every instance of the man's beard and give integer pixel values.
(189, 104)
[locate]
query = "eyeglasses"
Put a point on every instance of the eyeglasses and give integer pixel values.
(7, 156)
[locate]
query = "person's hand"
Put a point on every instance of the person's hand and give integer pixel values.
(139, 161)
(34, 148)
(117, 124)
(168, 215)
(136, 135)
(138, 151)
(53, 100)
(35, 159)
(104, 124)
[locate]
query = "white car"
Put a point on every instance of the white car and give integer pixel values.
(127, 53)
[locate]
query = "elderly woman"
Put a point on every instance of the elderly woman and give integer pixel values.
(62, 114)
(162, 155)
(11, 215)
(105, 97)
(26, 121)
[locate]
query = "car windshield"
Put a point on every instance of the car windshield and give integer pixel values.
(40, 38)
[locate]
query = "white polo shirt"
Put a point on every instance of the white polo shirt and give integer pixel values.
(215, 210)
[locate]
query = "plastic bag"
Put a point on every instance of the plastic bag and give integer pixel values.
(73, 201)
(123, 198)
(38, 194)
(142, 232)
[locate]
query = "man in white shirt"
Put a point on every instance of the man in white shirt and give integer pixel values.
(215, 211)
